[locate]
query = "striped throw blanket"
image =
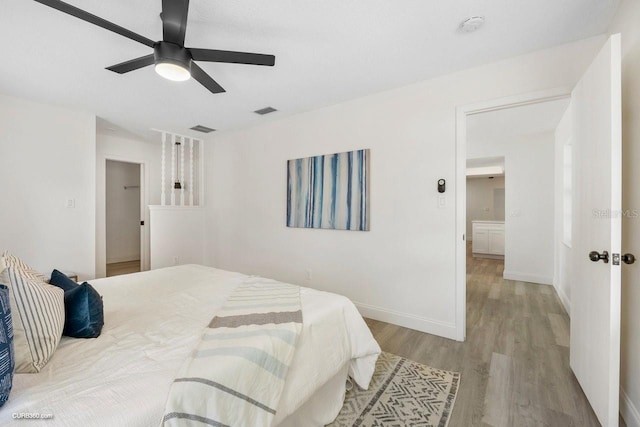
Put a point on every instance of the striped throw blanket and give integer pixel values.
(236, 373)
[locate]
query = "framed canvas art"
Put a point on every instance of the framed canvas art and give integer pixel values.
(330, 191)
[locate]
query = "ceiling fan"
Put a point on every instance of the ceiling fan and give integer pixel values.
(172, 60)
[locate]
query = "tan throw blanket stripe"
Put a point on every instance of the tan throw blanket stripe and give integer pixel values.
(256, 319)
(236, 373)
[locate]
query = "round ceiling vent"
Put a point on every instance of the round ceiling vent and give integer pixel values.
(471, 24)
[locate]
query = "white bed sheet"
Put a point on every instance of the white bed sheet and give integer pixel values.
(152, 320)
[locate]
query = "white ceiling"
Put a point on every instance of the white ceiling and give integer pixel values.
(326, 52)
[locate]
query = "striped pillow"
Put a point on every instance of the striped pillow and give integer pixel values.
(10, 260)
(6, 346)
(38, 319)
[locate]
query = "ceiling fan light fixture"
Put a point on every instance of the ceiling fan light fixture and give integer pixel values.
(173, 62)
(173, 72)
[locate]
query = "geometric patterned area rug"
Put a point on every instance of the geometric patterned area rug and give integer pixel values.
(402, 393)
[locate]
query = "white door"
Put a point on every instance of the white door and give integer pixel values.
(595, 299)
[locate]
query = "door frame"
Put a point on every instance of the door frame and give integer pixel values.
(461, 184)
(101, 223)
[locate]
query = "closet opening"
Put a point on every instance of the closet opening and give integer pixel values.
(124, 217)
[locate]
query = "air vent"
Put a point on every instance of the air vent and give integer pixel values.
(202, 129)
(265, 110)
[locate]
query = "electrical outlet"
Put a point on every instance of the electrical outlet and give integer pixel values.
(442, 201)
(70, 203)
(308, 274)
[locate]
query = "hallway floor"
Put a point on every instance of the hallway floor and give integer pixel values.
(514, 364)
(119, 268)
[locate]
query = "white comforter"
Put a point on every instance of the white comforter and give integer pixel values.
(122, 378)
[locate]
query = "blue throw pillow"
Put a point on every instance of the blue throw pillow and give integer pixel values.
(84, 316)
(62, 281)
(84, 311)
(7, 361)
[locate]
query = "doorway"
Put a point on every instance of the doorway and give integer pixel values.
(123, 207)
(485, 207)
(511, 303)
(496, 144)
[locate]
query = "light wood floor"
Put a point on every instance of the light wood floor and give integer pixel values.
(514, 364)
(118, 268)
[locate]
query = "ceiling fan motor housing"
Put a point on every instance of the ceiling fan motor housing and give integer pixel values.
(172, 60)
(164, 52)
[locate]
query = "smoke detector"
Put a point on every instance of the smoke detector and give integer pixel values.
(471, 24)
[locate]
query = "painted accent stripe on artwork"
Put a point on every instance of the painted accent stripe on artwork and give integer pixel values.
(330, 191)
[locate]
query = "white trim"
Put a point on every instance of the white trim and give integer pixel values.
(191, 172)
(163, 172)
(525, 277)
(461, 185)
(201, 184)
(174, 153)
(629, 412)
(411, 321)
(182, 183)
(563, 298)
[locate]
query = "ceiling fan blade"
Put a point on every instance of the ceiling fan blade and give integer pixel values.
(211, 55)
(174, 20)
(96, 20)
(134, 64)
(204, 79)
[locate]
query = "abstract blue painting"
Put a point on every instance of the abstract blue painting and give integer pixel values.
(330, 191)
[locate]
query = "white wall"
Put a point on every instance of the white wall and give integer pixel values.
(480, 201)
(529, 193)
(177, 235)
(626, 22)
(122, 211)
(47, 156)
(403, 270)
(129, 150)
(561, 279)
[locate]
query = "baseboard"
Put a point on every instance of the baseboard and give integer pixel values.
(123, 259)
(628, 410)
(422, 324)
(523, 277)
(563, 299)
(486, 256)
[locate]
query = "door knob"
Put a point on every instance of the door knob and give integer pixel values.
(595, 256)
(628, 258)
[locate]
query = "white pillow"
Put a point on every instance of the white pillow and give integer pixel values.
(10, 260)
(37, 310)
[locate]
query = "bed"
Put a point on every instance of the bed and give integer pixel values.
(122, 378)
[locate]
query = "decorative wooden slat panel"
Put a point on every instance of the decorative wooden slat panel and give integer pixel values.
(187, 173)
